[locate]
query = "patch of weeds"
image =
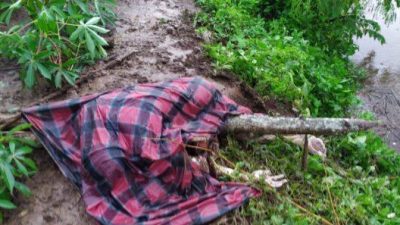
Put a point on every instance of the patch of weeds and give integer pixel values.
(15, 164)
(358, 183)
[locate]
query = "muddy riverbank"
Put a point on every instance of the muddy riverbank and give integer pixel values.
(381, 92)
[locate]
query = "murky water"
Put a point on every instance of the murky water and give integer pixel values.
(381, 93)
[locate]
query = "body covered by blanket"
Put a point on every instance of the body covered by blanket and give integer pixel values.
(125, 150)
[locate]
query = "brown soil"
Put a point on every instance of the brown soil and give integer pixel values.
(165, 46)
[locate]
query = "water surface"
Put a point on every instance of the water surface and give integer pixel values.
(381, 93)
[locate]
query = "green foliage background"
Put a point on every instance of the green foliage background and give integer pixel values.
(56, 39)
(298, 52)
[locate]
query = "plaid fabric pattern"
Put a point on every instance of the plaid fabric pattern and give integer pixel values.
(125, 150)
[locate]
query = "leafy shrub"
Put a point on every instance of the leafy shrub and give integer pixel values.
(14, 164)
(278, 62)
(328, 24)
(359, 183)
(58, 37)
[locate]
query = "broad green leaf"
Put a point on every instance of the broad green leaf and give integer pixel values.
(69, 77)
(93, 21)
(58, 79)
(44, 54)
(29, 163)
(23, 150)
(98, 29)
(69, 62)
(83, 6)
(21, 167)
(9, 177)
(5, 17)
(23, 189)
(97, 38)
(6, 204)
(27, 141)
(102, 51)
(20, 127)
(44, 71)
(12, 146)
(46, 22)
(90, 44)
(30, 76)
(76, 33)
(58, 11)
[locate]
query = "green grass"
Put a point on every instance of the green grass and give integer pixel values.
(359, 182)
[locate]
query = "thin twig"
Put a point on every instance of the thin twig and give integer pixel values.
(322, 219)
(331, 199)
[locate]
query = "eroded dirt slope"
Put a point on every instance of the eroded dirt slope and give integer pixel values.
(164, 45)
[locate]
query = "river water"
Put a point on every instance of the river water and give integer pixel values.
(381, 93)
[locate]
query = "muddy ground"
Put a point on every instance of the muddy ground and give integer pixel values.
(164, 45)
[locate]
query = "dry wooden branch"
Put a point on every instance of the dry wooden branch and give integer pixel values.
(305, 154)
(259, 124)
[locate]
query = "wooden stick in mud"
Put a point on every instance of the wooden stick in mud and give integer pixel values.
(259, 124)
(305, 154)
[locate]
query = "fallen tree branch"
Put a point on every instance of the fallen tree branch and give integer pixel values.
(259, 124)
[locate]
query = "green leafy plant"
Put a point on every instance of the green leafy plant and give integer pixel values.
(328, 24)
(279, 63)
(14, 165)
(56, 38)
(307, 65)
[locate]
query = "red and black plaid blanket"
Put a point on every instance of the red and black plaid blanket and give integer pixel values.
(125, 150)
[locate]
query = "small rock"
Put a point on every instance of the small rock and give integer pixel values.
(23, 213)
(170, 30)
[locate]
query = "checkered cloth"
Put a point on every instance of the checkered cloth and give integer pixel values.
(125, 150)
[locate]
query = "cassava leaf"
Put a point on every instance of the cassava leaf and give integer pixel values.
(30, 76)
(93, 21)
(97, 38)
(98, 29)
(58, 79)
(30, 163)
(21, 167)
(44, 71)
(6, 204)
(8, 175)
(77, 33)
(90, 44)
(21, 127)
(23, 189)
